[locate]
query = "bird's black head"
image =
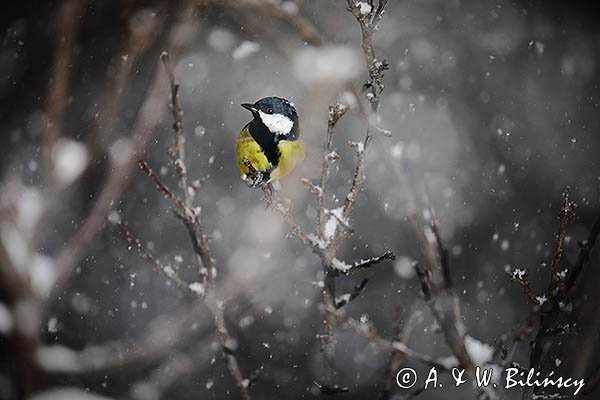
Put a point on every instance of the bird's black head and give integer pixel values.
(276, 115)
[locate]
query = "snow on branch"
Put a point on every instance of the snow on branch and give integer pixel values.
(341, 268)
(205, 289)
(332, 226)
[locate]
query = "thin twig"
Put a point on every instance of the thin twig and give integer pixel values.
(178, 153)
(540, 345)
(441, 299)
(199, 239)
(145, 168)
(521, 277)
(164, 270)
(363, 264)
(336, 112)
(349, 297)
(566, 216)
(368, 22)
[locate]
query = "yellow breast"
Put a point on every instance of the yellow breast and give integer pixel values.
(291, 152)
(247, 147)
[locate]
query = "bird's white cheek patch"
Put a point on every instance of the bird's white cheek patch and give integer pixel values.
(277, 123)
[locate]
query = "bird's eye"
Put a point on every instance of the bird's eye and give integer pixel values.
(270, 111)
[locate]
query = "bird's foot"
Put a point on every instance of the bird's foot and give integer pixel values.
(254, 180)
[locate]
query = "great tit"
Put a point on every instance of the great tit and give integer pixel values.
(270, 141)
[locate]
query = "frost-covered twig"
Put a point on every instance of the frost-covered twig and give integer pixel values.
(330, 230)
(332, 226)
(566, 216)
(521, 277)
(558, 286)
(341, 268)
(437, 289)
(561, 297)
(368, 18)
(348, 297)
(336, 112)
(200, 243)
(178, 153)
(295, 229)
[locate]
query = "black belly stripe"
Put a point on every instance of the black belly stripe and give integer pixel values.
(266, 140)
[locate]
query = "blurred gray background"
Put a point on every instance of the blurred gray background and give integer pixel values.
(493, 112)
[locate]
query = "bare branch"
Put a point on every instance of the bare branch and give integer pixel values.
(295, 229)
(349, 297)
(359, 174)
(566, 217)
(441, 299)
(368, 22)
(144, 167)
(336, 112)
(199, 240)
(442, 250)
(521, 277)
(362, 264)
(178, 153)
(425, 280)
(166, 271)
(553, 313)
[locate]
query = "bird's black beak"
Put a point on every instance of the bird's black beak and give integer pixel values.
(250, 107)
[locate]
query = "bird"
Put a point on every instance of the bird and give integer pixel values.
(270, 143)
